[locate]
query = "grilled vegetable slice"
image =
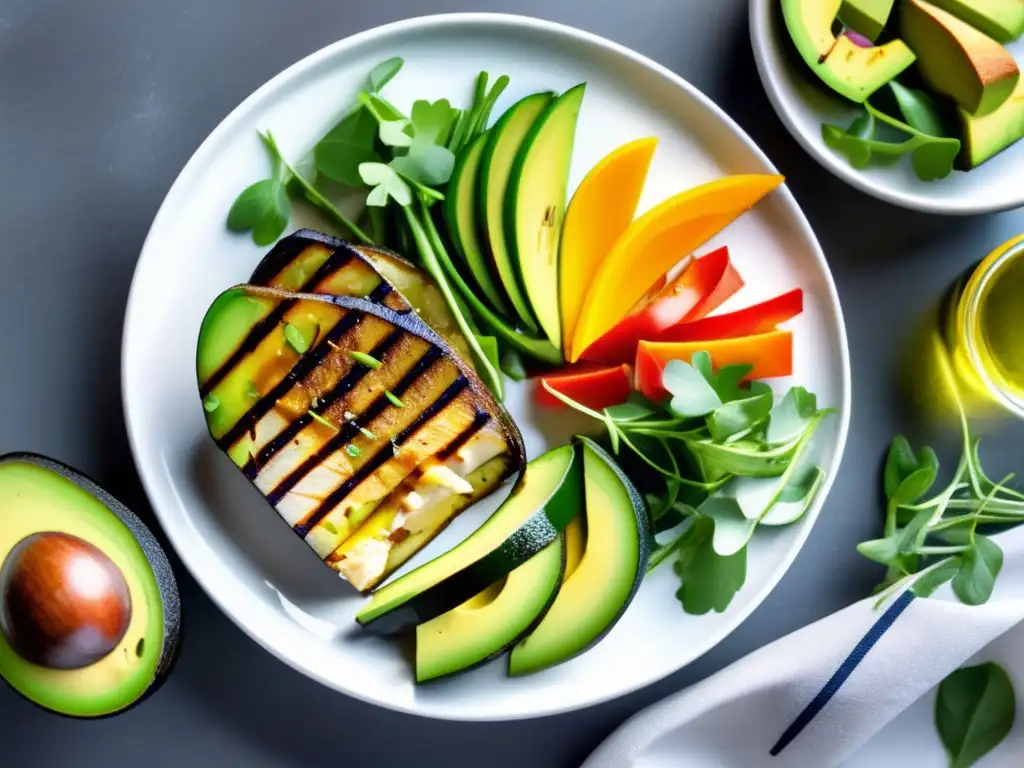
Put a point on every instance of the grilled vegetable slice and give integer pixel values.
(547, 496)
(337, 408)
(308, 261)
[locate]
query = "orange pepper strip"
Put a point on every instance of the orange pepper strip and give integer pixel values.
(754, 319)
(596, 387)
(701, 287)
(770, 353)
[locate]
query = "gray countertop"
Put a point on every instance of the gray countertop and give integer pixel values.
(101, 104)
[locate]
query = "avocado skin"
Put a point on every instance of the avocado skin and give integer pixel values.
(646, 545)
(163, 573)
(513, 641)
(536, 532)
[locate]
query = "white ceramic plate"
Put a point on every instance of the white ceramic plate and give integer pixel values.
(262, 575)
(804, 104)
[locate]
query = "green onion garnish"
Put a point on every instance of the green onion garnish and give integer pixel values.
(393, 399)
(352, 450)
(368, 360)
(367, 434)
(211, 403)
(295, 338)
(317, 417)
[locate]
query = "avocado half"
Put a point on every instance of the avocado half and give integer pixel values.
(603, 580)
(89, 607)
(360, 425)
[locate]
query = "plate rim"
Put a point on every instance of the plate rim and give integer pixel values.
(423, 22)
(761, 40)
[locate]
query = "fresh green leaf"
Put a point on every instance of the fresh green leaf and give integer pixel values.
(726, 383)
(975, 580)
(900, 463)
(709, 581)
(886, 550)
(512, 364)
(431, 165)
(295, 338)
(692, 395)
(386, 184)
(791, 416)
(863, 127)
(796, 498)
(931, 580)
(393, 133)
(918, 109)
(801, 484)
(732, 529)
(432, 121)
(383, 73)
(211, 403)
(262, 208)
(975, 710)
(738, 416)
(935, 160)
(915, 484)
(636, 408)
(349, 144)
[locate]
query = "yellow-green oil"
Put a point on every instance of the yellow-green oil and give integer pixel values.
(984, 330)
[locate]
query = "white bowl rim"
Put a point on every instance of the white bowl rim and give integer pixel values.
(313, 60)
(760, 37)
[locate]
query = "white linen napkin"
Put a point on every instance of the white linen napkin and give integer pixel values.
(820, 696)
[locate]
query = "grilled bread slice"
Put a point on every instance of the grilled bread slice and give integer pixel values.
(365, 429)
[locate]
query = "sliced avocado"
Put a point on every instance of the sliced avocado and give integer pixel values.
(595, 595)
(535, 206)
(957, 60)
(89, 611)
(460, 215)
(335, 406)
(866, 17)
(499, 155)
(490, 622)
(1002, 20)
(848, 69)
(985, 137)
(546, 497)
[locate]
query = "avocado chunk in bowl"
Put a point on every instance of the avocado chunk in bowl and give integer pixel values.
(89, 610)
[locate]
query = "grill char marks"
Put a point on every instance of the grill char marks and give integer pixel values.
(262, 329)
(386, 452)
(350, 429)
(343, 387)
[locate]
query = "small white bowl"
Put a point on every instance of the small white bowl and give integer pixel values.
(804, 104)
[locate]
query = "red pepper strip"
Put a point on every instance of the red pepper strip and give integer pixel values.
(754, 319)
(596, 387)
(770, 353)
(700, 288)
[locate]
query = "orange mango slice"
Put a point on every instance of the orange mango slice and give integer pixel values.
(655, 242)
(600, 211)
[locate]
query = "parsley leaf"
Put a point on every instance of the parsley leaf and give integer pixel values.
(386, 183)
(691, 394)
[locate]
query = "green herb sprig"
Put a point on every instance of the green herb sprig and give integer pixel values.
(715, 438)
(932, 153)
(929, 540)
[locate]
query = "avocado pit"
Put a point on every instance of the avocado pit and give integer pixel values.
(64, 604)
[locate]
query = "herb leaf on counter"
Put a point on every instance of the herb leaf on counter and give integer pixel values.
(974, 711)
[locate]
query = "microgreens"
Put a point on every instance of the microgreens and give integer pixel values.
(928, 542)
(321, 420)
(720, 458)
(394, 399)
(368, 360)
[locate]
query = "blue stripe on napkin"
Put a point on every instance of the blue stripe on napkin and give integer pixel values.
(851, 662)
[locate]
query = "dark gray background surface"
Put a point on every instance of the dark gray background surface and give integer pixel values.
(101, 104)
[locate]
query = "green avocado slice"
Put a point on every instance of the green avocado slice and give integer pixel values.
(535, 206)
(1002, 20)
(460, 215)
(547, 496)
(101, 656)
(499, 156)
(596, 594)
(490, 622)
(987, 136)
